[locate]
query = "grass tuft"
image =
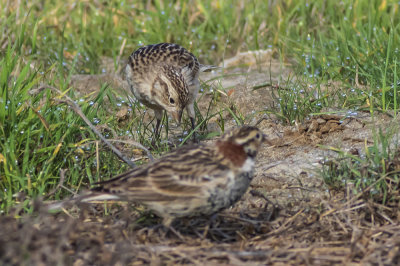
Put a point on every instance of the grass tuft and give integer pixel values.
(374, 173)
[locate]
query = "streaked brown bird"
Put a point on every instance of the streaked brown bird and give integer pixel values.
(165, 76)
(194, 180)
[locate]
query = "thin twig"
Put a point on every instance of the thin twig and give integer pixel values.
(78, 110)
(60, 183)
(285, 224)
(134, 143)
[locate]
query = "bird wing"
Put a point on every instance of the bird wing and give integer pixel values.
(178, 56)
(187, 180)
(181, 174)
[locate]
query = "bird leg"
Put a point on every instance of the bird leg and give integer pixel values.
(192, 120)
(210, 223)
(157, 129)
(192, 115)
(170, 228)
(167, 224)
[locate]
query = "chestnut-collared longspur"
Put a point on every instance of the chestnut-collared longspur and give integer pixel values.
(165, 76)
(194, 180)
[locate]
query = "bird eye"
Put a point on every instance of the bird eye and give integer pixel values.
(258, 136)
(171, 101)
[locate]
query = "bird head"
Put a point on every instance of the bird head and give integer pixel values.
(249, 137)
(171, 91)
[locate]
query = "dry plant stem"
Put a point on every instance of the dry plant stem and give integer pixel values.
(78, 110)
(360, 194)
(241, 219)
(137, 145)
(256, 193)
(60, 183)
(121, 51)
(285, 226)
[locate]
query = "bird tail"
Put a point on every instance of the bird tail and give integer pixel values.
(88, 197)
(207, 68)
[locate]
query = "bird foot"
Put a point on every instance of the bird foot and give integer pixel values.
(165, 229)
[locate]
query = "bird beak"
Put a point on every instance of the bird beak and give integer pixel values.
(177, 116)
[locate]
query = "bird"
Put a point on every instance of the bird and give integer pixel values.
(165, 76)
(199, 179)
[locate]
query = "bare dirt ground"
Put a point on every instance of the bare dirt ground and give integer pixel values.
(288, 217)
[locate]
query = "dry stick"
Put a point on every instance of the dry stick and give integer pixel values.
(135, 144)
(78, 110)
(60, 183)
(285, 224)
(256, 193)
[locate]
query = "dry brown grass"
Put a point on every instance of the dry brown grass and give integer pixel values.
(344, 230)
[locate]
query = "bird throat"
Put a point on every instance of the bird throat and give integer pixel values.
(233, 152)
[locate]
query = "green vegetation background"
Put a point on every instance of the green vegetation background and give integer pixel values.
(354, 43)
